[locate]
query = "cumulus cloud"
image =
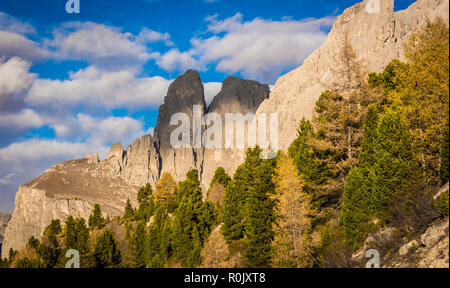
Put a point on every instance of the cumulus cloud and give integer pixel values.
(23, 161)
(95, 87)
(26, 118)
(13, 24)
(112, 129)
(14, 40)
(37, 149)
(259, 49)
(13, 44)
(14, 80)
(104, 46)
(149, 36)
(211, 90)
(180, 61)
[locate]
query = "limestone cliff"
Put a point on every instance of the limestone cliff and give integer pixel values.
(4, 218)
(185, 92)
(69, 188)
(73, 187)
(237, 96)
(378, 36)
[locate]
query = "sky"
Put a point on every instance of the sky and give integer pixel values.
(73, 84)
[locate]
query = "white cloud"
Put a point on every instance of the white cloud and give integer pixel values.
(211, 90)
(104, 46)
(13, 44)
(103, 132)
(181, 61)
(14, 79)
(97, 88)
(260, 49)
(26, 118)
(149, 36)
(12, 24)
(37, 149)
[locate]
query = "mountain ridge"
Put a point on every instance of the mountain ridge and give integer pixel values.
(116, 178)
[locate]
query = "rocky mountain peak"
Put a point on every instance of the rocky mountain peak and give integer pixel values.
(73, 187)
(377, 34)
(116, 151)
(239, 95)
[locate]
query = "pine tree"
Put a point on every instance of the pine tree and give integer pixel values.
(146, 203)
(259, 217)
(217, 187)
(129, 211)
(144, 194)
(159, 236)
(138, 246)
(421, 93)
(182, 230)
(383, 176)
(96, 219)
(221, 177)
(236, 194)
(106, 252)
(70, 233)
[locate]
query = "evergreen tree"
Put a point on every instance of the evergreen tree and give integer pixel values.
(146, 203)
(159, 236)
(129, 211)
(70, 233)
(221, 177)
(383, 175)
(236, 194)
(193, 221)
(419, 89)
(259, 217)
(144, 194)
(138, 246)
(96, 219)
(106, 252)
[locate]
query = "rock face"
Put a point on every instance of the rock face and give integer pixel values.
(426, 249)
(185, 92)
(237, 96)
(4, 218)
(377, 35)
(69, 188)
(73, 187)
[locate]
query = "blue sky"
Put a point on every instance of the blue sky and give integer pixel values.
(71, 84)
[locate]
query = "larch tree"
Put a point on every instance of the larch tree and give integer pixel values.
(294, 221)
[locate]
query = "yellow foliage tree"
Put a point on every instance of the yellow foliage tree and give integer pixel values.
(424, 97)
(292, 244)
(165, 189)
